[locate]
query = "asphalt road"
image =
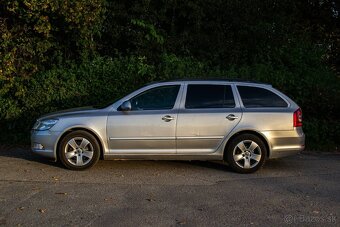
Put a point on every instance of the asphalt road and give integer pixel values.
(303, 190)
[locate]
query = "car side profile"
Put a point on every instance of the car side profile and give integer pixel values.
(241, 123)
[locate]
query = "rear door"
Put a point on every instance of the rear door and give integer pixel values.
(208, 113)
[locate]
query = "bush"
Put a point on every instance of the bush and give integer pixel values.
(94, 82)
(103, 80)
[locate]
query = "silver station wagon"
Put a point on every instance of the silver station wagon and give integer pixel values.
(241, 123)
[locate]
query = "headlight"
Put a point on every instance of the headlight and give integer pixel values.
(44, 124)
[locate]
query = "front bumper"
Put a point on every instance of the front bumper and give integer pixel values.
(44, 143)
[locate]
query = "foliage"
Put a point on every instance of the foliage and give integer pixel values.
(59, 54)
(103, 80)
(36, 33)
(224, 32)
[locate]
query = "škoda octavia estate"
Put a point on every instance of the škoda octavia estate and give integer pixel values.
(242, 123)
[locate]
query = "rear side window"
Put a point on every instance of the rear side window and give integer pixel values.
(253, 97)
(209, 96)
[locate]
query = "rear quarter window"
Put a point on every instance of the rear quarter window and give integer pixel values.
(253, 97)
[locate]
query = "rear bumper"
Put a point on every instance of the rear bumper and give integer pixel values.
(44, 142)
(285, 143)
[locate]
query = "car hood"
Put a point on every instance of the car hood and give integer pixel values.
(73, 111)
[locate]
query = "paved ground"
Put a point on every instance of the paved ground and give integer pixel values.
(304, 189)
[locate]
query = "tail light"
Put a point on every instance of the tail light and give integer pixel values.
(297, 118)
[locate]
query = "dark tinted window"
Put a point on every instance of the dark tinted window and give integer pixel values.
(209, 96)
(158, 98)
(259, 97)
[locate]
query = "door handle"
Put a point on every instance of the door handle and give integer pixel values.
(231, 117)
(167, 118)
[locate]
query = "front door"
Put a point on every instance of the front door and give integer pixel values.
(150, 125)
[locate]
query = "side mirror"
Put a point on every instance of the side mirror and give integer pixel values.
(126, 106)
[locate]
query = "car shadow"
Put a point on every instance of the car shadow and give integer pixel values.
(24, 152)
(216, 165)
(270, 165)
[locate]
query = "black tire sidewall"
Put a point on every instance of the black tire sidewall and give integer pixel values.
(234, 142)
(89, 137)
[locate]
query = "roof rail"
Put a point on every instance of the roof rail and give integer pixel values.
(211, 79)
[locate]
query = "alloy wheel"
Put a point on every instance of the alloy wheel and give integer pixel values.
(79, 151)
(247, 154)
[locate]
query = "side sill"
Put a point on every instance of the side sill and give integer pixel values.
(162, 157)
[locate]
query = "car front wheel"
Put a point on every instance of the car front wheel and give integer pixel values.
(79, 150)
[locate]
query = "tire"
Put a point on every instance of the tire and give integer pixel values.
(246, 153)
(79, 150)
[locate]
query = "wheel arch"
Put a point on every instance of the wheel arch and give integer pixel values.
(80, 128)
(247, 131)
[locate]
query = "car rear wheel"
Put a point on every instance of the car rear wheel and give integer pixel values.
(79, 150)
(246, 153)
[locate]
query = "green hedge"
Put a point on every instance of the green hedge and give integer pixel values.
(103, 80)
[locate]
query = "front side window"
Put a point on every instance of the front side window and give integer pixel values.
(159, 98)
(200, 96)
(253, 97)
